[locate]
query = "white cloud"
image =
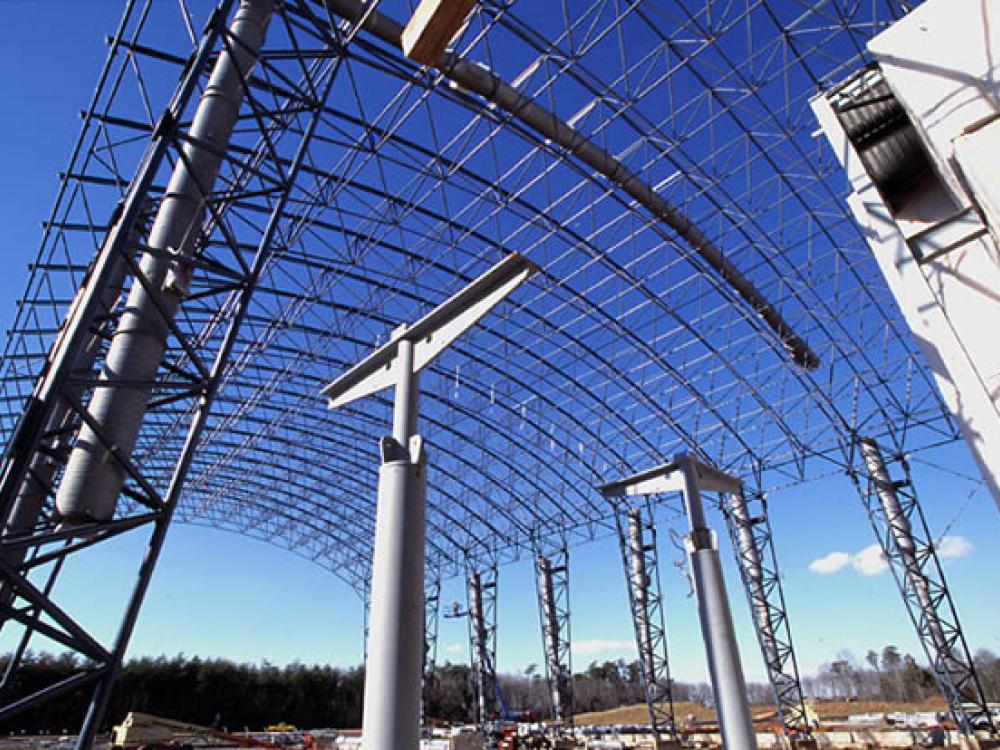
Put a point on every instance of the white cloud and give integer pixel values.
(599, 646)
(830, 564)
(870, 561)
(454, 648)
(953, 547)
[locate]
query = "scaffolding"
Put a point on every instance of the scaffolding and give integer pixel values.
(909, 548)
(640, 560)
(552, 579)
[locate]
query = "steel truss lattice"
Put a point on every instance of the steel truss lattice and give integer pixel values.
(890, 499)
(358, 190)
(749, 529)
(640, 560)
(482, 607)
(552, 585)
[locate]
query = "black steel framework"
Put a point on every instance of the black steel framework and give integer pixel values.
(640, 561)
(482, 609)
(359, 189)
(552, 587)
(749, 527)
(890, 499)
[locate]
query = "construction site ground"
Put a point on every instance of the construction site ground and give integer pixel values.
(832, 712)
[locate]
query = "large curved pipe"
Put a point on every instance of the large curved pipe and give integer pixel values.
(496, 91)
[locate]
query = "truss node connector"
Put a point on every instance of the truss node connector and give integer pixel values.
(433, 333)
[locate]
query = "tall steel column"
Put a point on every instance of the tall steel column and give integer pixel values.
(909, 548)
(395, 656)
(690, 476)
(750, 534)
(394, 663)
(482, 592)
(637, 538)
(724, 665)
(553, 606)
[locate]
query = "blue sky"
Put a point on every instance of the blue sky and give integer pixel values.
(216, 594)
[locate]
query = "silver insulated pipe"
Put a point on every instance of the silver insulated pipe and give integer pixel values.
(93, 478)
(550, 630)
(477, 622)
(639, 581)
(902, 534)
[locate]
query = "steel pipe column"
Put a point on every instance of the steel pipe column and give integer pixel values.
(93, 478)
(724, 665)
(553, 595)
(902, 534)
(645, 597)
(393, 670)
(394, 665)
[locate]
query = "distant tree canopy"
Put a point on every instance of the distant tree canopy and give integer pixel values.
(213, 692)
(217, 692)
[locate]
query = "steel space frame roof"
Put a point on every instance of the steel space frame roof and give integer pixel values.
(624, 350)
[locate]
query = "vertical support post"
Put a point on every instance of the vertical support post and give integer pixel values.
(393, 671)
(553, 602)
(393, 668)
(482, 641)
(724, 665)
(432, 608)
(751, 539)
(906, 541)
(642, 576)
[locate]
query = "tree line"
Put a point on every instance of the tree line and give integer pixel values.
(224, 694)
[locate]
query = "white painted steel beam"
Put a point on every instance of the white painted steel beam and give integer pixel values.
(433, 333)
(394, 662)
(688, 475)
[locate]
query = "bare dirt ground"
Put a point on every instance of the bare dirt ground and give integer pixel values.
(829, 711)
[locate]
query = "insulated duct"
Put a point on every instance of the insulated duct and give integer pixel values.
(94, 478)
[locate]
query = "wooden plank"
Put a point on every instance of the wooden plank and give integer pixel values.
(433, 25)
